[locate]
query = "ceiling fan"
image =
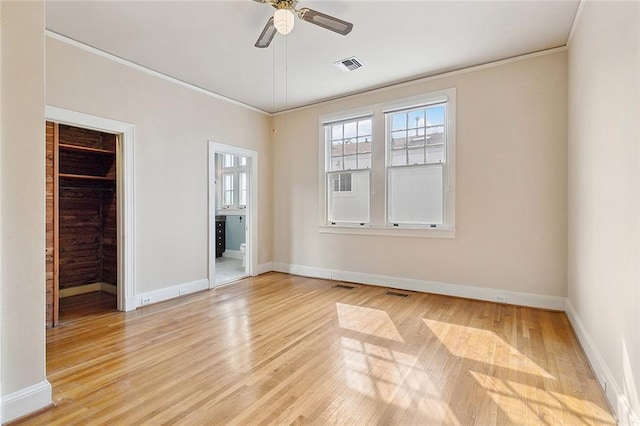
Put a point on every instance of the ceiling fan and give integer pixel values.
(283, 19)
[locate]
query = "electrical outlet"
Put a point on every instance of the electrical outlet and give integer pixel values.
(330, 276)
(294, 270)
(146, 300)
(182, 292)
(501, 298)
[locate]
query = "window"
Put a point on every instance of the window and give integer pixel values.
(348, 160)
(341, 182)
(242, 182)
(416, 161)
(227, 189)
(227, 161)
(232, 192)
(413, 172)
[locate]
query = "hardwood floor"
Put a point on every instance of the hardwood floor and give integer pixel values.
(281, 349)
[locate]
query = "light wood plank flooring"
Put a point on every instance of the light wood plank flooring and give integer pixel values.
(281, 349)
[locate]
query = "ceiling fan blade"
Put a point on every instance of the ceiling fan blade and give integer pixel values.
(325, 21)
(267, 34)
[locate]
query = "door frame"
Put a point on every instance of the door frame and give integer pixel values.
(125, 189)
(251, 210)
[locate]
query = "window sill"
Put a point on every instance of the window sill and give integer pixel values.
(388, 231)
(231, 212)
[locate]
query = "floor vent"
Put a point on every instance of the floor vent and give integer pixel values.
(393, 293)
(348, 287)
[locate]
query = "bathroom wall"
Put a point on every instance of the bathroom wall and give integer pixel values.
(235, 232)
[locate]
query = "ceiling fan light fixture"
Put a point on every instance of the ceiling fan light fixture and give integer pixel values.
(283, 20)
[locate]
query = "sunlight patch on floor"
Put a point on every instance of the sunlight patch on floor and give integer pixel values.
(394, 377)
(484, 343)
(368, 321)
(524, 403)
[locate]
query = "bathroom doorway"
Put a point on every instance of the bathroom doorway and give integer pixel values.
(231, 209)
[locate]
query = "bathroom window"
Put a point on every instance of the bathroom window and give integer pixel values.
(242, 183)
(232, 181)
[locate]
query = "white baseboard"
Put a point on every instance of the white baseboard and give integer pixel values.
(233, 254)
(470, 292)
(26, 401)
(171, 292)
(263, 268)
(88, 288)
(612, 390)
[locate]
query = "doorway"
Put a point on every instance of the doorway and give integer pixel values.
(89, 213)
(232, 213)
(81, 216)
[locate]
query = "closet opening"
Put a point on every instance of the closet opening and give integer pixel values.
(81, 222)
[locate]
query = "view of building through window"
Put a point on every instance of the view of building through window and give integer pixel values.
(416, 143)
(416, 186)
(348, 147)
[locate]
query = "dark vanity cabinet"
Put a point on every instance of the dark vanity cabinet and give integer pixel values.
(220, 237)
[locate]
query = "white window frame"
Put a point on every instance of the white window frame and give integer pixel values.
(325, 124)
(379, 224)
(225, 189)
(233, 171)
(242, 192)
(448, 216)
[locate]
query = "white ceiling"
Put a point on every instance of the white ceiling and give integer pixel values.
(210, 44)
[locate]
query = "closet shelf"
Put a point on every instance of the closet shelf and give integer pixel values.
(86, 177)
(78, 148)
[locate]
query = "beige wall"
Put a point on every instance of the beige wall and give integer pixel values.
(172, 127)
(511, 186)
(22, 233)
(604, 190)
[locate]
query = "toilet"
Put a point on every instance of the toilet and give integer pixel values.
(243, 250)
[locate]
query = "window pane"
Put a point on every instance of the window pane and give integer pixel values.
(350, 130)
(399, 121)
(243, 161)
(336, 163)
(416, 156)
(336, 148)
(415, 195)
(364, 127)
(335, 182)
(336, 131)
(350, 146)
(352, 205)
(416, 119)
(398, 140)
(350, 162)
(364, 161)
(227, 189)
(364, 144)
(227, 182)
(435, 135)
(435, 115)
(242, 185)
(435, 154)
(399, 157)
(227, 160)
(345, 182)
(228, 198)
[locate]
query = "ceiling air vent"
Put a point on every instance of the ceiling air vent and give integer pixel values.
(349, 64)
